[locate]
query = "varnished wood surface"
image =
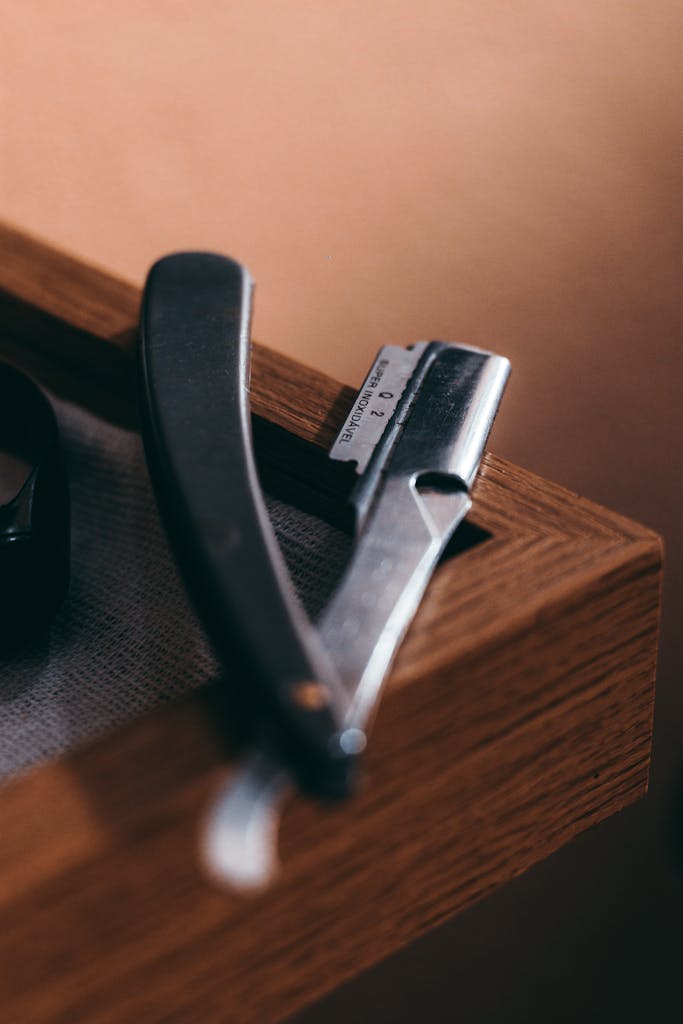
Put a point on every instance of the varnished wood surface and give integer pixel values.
(519, 713)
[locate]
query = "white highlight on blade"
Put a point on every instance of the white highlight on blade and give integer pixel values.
(239, 839)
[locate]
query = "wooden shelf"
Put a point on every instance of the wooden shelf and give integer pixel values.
(518, 714)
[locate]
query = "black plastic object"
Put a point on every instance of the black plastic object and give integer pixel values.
(194, 360)
(35, 523)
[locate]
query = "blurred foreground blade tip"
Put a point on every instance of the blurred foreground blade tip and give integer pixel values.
(239, 837)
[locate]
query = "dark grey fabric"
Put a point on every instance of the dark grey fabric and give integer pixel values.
(126, 639)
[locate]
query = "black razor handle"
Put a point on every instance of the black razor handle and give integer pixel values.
(194, 377)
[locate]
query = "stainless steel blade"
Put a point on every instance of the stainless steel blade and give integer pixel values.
(411, 496)
(376, 601)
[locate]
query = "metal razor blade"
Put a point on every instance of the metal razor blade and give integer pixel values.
(416, 432)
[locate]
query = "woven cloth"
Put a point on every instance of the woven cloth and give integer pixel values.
(126, 638)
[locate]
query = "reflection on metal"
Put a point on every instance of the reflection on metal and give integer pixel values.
(239, 836)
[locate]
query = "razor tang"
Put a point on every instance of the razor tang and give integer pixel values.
(412, 495)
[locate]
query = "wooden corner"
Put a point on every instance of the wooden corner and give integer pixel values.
(518, 714)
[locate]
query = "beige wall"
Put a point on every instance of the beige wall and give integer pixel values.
(503, 173)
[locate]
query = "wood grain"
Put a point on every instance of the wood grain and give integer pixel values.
(518, 714)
